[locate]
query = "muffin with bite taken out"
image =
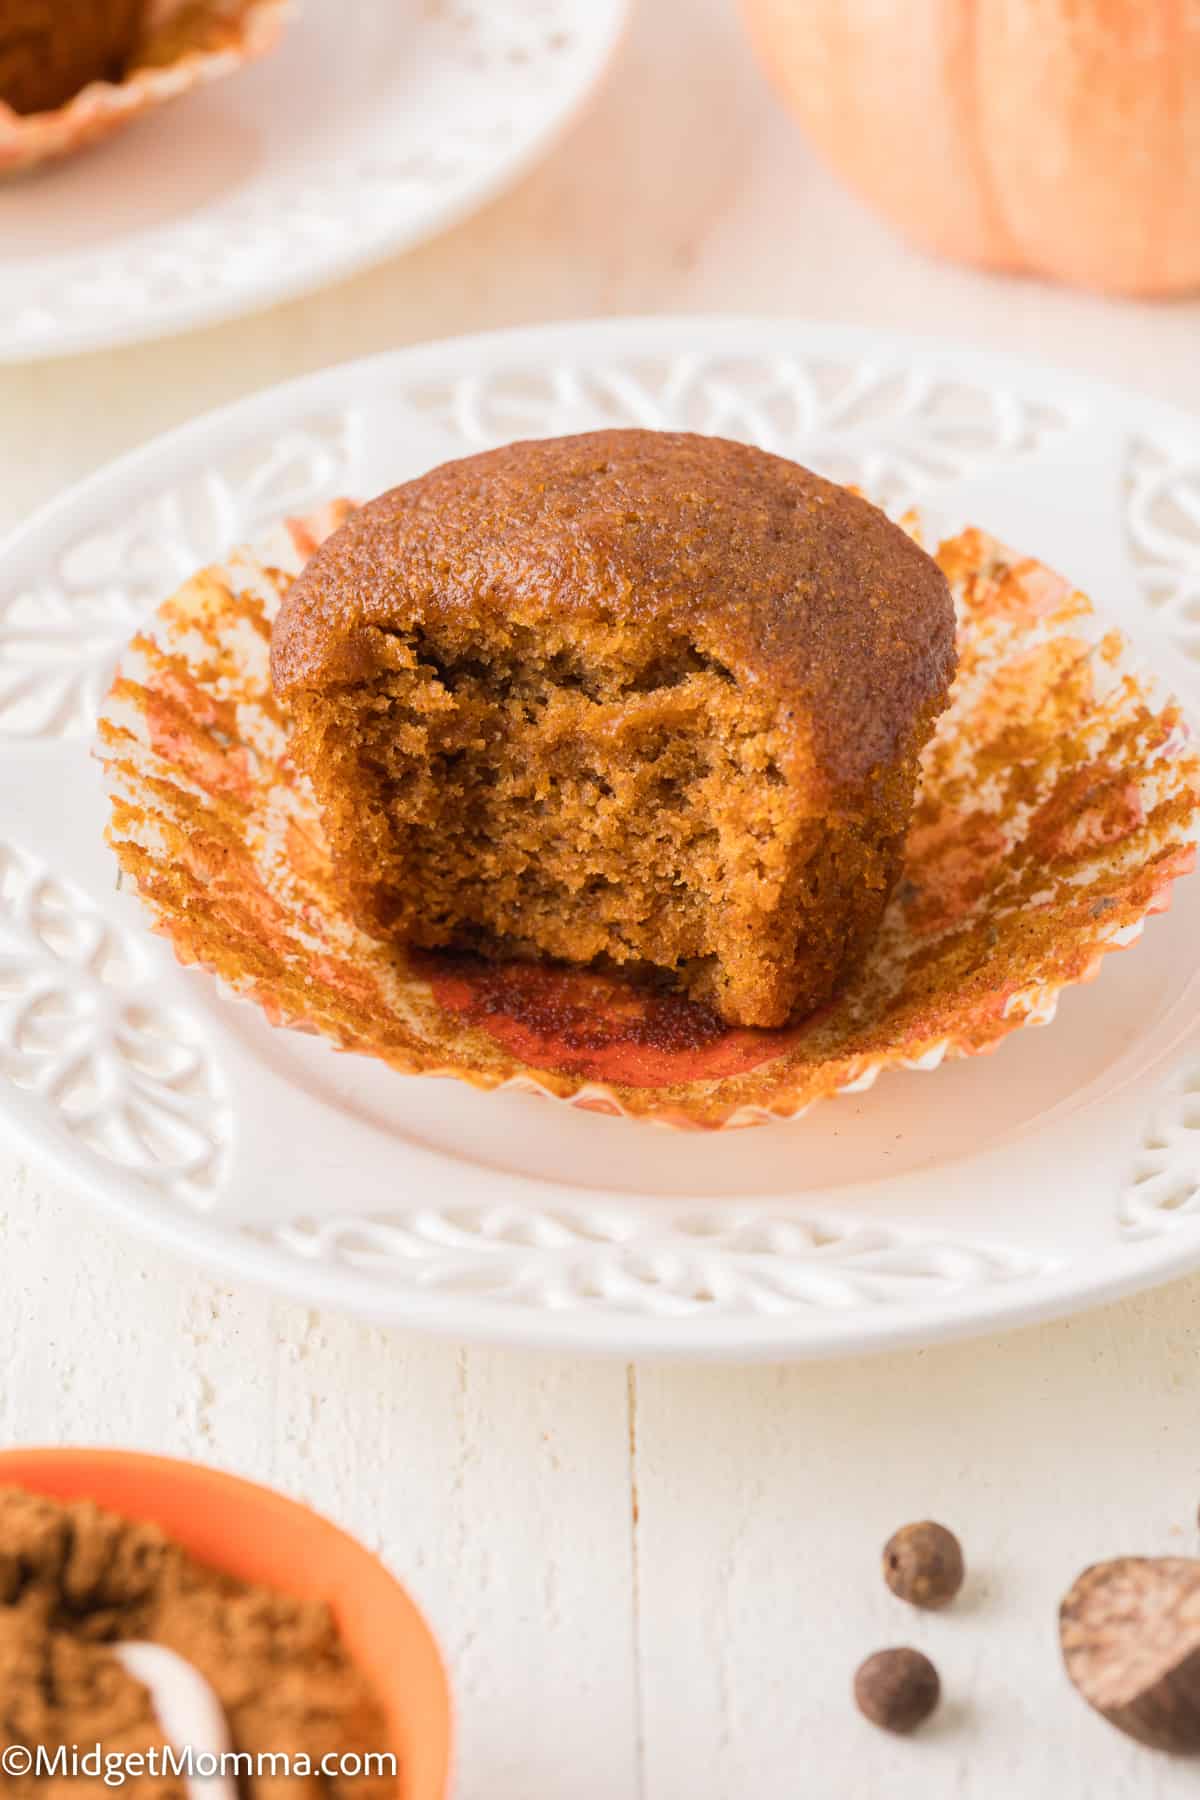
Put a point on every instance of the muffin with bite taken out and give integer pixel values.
(638, 700)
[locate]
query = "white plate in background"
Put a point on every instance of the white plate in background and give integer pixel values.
(373, 126)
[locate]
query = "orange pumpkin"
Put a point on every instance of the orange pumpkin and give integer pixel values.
(1060, 137)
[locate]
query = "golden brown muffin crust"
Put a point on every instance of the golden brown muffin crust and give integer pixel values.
(784, 578)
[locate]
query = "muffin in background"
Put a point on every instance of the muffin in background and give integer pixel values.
(73, 72)
(49, 49)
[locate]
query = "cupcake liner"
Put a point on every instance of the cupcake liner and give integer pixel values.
(1060, 799)
(184, 43)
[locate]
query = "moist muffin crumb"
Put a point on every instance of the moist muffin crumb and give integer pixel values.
(632, 699)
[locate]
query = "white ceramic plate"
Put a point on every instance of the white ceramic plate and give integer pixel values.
(1058, 1172)
(373, 126)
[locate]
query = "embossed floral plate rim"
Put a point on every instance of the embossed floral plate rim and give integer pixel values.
(875, 1263)
(509, 78)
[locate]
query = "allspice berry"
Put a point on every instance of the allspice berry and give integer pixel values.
(923, 1564)
(897, 1689)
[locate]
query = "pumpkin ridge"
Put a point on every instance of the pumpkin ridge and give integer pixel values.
(1162, 220)
(1008, 253)
(1042, 146)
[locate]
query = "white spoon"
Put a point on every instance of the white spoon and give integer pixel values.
(190, 1714)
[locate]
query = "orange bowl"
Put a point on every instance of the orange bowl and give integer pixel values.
(257, 1535)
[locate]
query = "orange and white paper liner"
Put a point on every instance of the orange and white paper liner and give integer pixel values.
(1060, 800)
(185, 43)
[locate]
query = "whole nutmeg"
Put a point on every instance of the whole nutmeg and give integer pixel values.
(1130, 1635)
(897, 1689)
(923, 1564)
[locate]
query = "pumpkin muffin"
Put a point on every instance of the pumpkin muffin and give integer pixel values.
(635, 699)
(50, 49)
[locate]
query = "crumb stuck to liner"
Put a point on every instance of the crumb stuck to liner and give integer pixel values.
(1060, 799)
(183, 44)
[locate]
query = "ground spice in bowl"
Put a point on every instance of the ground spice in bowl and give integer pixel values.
(76, 1580)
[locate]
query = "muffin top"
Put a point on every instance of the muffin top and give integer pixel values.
(651, 539)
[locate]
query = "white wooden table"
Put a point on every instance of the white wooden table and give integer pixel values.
(650, 1583)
